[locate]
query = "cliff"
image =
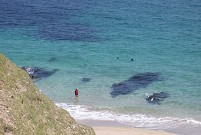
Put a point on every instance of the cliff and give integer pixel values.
(24, 110)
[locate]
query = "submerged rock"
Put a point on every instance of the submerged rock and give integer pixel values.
(52, 59)
(134, 83)
(86, 79)
(155, 98)
(38, 73)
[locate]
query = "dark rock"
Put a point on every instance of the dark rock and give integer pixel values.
(38, 73)
(86, 79)
(155, 98)
(134, 83)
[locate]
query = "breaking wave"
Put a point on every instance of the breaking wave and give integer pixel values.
(83, 112)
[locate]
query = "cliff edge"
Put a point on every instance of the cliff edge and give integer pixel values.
(24, 110)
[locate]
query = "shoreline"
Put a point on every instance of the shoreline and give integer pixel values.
(183, 126)
(115, 128)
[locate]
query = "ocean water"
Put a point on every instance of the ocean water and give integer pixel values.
(97, 40)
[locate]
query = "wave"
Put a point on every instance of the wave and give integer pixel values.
(82, 112)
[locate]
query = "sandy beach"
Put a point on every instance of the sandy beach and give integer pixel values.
(115, 128)
(128, 131)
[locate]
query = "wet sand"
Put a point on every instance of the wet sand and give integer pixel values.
(115, 128)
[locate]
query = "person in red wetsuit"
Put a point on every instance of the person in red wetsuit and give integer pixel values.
(76, 92)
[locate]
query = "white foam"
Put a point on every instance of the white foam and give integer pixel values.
(136, 120)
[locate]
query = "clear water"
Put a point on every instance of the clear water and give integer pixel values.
(85, 38)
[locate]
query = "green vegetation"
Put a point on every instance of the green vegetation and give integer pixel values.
(24, 110)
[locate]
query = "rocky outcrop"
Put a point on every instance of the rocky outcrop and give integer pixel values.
(24, 110)
(37, 73)
(155, 98)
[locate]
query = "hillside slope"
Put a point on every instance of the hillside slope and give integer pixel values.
(24, 110)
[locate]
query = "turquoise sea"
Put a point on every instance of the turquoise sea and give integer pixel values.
(97, 40)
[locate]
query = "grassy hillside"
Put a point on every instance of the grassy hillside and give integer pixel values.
(24, 110)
